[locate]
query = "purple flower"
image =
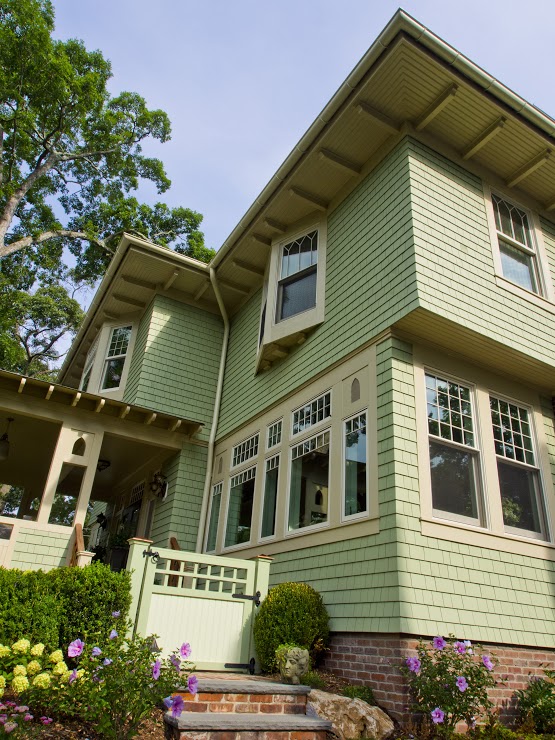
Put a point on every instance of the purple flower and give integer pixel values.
(22, 709)
(468, 647)
(156, 670)
(168, 701)
(46, 720)
(486, 660)
(116, 614)
(439, 643)
(10, 727)
(175, 662)
(107, 661)
(460, 647)
(185, 650)
(177, 705)
(75, 648)
(3, 718)
(73, 675)
(462, 684)
(96, 651)
(192, 684)
(113, 635)
(28, 717)
(438, 715)
(413, 664)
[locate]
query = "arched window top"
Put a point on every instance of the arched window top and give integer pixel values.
(79, 447)
(355, 390)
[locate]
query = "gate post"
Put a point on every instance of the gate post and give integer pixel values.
(261, 581)
(141, 568)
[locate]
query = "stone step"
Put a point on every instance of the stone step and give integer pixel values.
(246, 697)
(226, 726)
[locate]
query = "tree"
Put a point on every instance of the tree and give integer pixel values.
(67, 146)
(33, 324)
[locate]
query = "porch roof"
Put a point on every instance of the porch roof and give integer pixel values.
(96, 405)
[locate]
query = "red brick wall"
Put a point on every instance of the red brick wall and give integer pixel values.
(374, 660)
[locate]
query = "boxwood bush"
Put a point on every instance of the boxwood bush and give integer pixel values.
(292, 613)
(60, 605)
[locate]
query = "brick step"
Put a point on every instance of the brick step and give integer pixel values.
(246, 697)
(231, 726)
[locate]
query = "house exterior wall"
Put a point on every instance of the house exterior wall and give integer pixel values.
(175, 366)
(370, 283)
(41, 549)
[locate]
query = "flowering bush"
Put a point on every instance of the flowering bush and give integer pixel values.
(449, 680)
(536, 703)
(18, 719)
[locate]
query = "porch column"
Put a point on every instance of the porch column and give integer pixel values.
(64, 454)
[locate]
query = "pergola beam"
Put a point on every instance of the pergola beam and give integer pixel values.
(527, 169)
(482, 139)
(436, 107)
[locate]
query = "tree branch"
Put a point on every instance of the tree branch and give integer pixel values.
(7, 249)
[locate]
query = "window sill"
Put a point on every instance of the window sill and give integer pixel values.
(480, 537)
(526, 295)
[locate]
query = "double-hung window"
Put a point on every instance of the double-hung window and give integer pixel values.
(517, 250)
(454, 454)
(519, 475)
(297, 280)
(115, 357)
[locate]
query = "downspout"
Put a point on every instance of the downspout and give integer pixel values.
(217, 401)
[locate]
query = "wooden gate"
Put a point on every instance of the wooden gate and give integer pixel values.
(205, 600)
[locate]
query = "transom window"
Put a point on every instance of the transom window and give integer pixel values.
(297, 281)
(245, 451)
(454, 457)
(516, 245)
(115, 357)
(312, 413)
(519, 479)
(274, 434)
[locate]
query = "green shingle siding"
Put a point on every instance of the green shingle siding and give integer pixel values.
(370, 283)
(175, 363)
(40, 550)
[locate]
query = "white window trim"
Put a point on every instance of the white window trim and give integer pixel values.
(545, 287)
(275, 330)
(102, 342)
(252, 539)
(268, 427)
(272, 537)
(310, 429)
(313, 527)
(363, 514)
(248, 460)
(106, 359)
(209, 515)
(492, 529)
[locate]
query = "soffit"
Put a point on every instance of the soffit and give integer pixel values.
(403, 86)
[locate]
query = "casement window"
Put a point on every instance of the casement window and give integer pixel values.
(517, 249)
(215, 504)
(312, 413)
(355, 483)
(271, 477)
(454, 453)
(519, 476)
(245, 451)
(309, 482)
(239, 513)
(297, 281)
(115, 357)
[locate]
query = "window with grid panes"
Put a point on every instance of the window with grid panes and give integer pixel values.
(239, 513)
(298, 272)
(355, 472)
(274, 434)
(115, 357)
(309, 482)
(516, 245)
(454, 453)
(312, 413)
(245, 451)
(519, 478)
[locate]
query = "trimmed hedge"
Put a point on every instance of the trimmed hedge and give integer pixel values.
(60, 605)
(292, 613)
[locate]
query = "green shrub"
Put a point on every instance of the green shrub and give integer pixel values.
(314, 680)
(57, 606)
(536, 703)
(360, 692)
(292, 613)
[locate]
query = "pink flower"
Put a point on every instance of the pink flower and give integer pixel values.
(460, 647)
(438, 715)
(75, 648)
(185, 650)
(486, 660)
(10, 727)
(96, 651)
(73, 675)
(28, 717)
(413, 664)
(46, 720)
(192, 684)
(156, 670)
(462, 684)
(439, 643)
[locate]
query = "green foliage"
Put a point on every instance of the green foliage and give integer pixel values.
(314, 680)
(360, 692)
(536, 703)
(62, 604)
(292, 613)
(449, 681)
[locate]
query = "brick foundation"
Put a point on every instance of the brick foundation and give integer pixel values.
(171, 733)
(245, 703)
(373, 660)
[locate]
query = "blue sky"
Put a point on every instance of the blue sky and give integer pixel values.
(242, 81)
